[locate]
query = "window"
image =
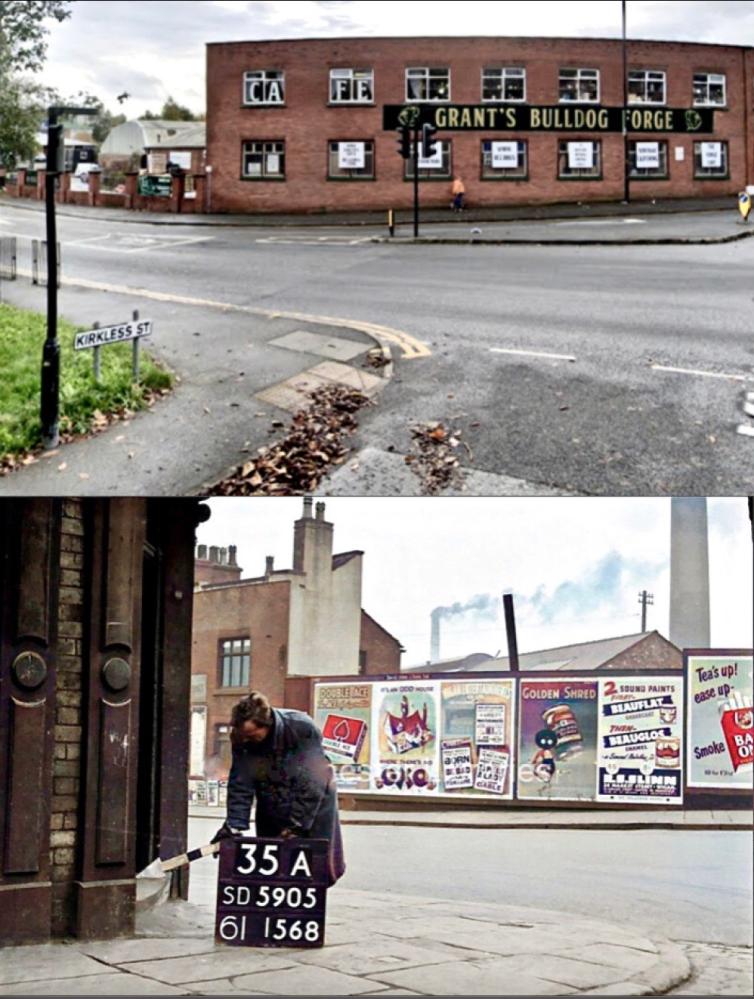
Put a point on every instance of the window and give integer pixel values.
(264, 160)
(580, 160)
(264, 86)
(710, 160)
(424, 84)
(581, 85)
(507, 83)
(350, 160)
(647, 159)
(435, 168)
(709, 89)
(506, 160)
(351, 86)
(646, 86)
(222, 748)
(235, 656)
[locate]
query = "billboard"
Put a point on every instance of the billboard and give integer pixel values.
(405, 737)
(343, 713)
(640, 737)
(719, 697)
(557, 748)
(476, 746)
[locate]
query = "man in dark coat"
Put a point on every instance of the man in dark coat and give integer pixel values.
(278, 757)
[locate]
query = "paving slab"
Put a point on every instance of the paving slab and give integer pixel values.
(219, 987)
(110, 984)
(345, 374)
(223, 962)
(125, 951)
(374, 954)
(306, 981)
(28, 964)
(614, 954)
(334, 348)
(480, 978)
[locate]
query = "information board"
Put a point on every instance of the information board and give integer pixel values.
(272, 892)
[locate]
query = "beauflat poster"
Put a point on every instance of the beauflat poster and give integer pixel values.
(719, 750)
(405, 737)
(640, 734)
(557, 754)
(343, 713)
(479, 714)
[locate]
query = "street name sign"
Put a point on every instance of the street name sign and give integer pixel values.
(272, 892)
(117, 333)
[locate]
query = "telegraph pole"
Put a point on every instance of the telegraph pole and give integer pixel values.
(646, 600)
(626, 195)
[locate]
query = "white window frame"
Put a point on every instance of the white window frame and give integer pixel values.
(581, 73)
(645, 76)
(264, 75)
(265, 152)
(348, 73)
(521, 172)
(709, 80)
(425, 73)
(505, 73)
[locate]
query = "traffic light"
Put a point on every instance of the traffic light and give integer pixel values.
(404, 142)
(429, 142)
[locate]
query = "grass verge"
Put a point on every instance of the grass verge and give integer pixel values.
(85, 405)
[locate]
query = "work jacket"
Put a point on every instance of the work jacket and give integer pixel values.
(292, 781)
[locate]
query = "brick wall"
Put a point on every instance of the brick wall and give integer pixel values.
(68, 717)
(381, 651)
(307, 123)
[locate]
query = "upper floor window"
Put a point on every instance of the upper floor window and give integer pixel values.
(264, 86)
(426, 84)
(709, 89)
(351, 86)
(646, 86)
(580, 85)
(235, 657)
(505, 83)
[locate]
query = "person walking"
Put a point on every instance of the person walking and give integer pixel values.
(458, 191)
(278, 759)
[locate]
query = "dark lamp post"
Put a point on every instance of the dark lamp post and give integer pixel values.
(50, 380)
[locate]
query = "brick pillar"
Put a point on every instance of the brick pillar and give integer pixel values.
(95, 182)
(20, 182)
(41, 180)
(68, 723)
(64, 189)
(132, 180)
(177, 190)
(200, 186)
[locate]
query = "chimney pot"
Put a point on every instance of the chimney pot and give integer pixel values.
(308, 506)
(270, 561)
(320, 511)
(213, 553)
(201, 552)
(223, 556)
(232, 555)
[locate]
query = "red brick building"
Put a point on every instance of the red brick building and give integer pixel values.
(298, 125)
(273, 632)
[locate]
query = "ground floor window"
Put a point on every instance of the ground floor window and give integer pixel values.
(580, 160)
(504, 160)
(436, 167)
(648, 159)
(222, 747)
(263, 160)
(348, 160)
(710, 160)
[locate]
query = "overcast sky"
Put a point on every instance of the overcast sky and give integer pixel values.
(155, 48)
(575, 566)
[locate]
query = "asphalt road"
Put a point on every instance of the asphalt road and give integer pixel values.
(653, 344)
(683, 885)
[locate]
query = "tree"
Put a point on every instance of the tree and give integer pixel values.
(171, 111)
(101, 123)
(22, 32)
(23, 48)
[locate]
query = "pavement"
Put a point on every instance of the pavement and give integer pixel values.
(528, 818)
(375, 944)
(639, 222)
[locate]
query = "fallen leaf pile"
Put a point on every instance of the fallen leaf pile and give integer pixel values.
(434, 457)
(376, 359)
(312, 445)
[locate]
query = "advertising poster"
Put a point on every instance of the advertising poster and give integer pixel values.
(405, 737)
(719, 750)
(457, 771)
(640, 728)
(479, 714)
(342, 712)
(557, 755)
